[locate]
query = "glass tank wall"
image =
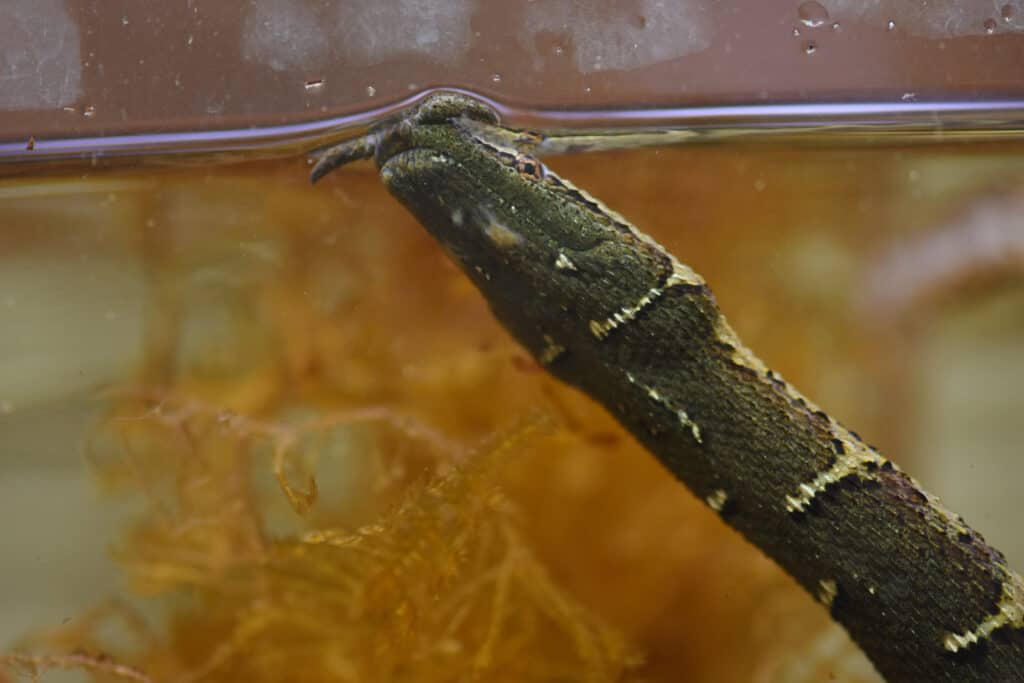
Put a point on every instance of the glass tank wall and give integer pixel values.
(251, 427)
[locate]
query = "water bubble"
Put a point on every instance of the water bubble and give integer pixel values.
(370, 91)
(990, 26)
(496, 78)
(314, 86)
(1007, 13)
(812, 14)
(810, 47)
(891, 26)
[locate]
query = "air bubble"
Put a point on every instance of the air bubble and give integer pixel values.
(812, 14)
(836, 27)
(1007, 13)
(496, 78)
(990, 26)
(891, 26)
(89, 111)
(314, 86)
(370, 91)
(810, 47)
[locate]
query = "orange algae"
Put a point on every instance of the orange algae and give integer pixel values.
(441, 586)
(443, 510)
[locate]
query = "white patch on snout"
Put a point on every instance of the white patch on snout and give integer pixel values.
(501, 235)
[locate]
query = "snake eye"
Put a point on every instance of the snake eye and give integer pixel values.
(529, 166)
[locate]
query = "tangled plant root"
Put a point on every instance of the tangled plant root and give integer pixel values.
(440, 586)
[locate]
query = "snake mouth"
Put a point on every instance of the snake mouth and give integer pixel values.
(438, 107)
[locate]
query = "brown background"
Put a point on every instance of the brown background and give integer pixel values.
(74, 68)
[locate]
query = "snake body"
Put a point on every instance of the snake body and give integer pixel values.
(608, 310)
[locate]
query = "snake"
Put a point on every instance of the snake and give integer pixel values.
(606, 309)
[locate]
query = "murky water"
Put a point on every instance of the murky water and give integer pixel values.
(167, 329)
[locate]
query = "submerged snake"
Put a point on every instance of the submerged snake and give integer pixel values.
(608, 310)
